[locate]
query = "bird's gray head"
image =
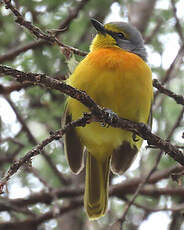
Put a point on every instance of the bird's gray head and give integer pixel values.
(124, 35)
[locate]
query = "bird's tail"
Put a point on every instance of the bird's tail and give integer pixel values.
(96, 186)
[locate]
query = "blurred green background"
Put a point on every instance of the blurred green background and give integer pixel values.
(28, 114)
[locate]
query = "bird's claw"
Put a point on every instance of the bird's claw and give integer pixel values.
(110, 118)
(134, 137)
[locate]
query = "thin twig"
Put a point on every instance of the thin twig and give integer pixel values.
(178, 24)
(73, 13)
(171, 68)
(14, 87)
(175, 208)
(177, 123)
(178, 98)
(149, 38)
(9, 55)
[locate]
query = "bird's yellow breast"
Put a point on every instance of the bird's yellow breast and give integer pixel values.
(115, 79)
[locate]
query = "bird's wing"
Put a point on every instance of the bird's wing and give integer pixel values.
(72, 145)
(122, 157)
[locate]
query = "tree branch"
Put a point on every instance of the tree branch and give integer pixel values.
(178, 98)
(32, 223)
(120, 190)
(37, 149)
(178, 24)
(50, 38)
(14, 87)
(102, 115)
(9, 55)
(33, 141)
(138, 190)
(35, 44)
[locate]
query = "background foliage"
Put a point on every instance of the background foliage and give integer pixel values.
(29, 113)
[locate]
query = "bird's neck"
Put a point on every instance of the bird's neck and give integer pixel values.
(103, 41)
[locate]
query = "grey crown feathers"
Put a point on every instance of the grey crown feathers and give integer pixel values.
(134, 43)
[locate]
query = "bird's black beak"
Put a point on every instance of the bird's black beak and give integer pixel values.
(98, 26)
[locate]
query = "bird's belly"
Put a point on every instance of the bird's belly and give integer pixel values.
(126, 97)
(100, 140)
(124, 87)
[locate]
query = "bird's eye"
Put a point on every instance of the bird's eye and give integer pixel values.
(121, 35)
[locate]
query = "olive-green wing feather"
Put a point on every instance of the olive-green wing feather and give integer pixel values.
(123, 157)
(72, 146)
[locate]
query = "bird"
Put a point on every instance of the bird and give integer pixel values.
(116, 76)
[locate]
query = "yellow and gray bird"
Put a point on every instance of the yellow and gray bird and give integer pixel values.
(115, 75)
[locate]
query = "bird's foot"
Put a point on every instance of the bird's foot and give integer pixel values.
(110, 118)
(135, 138)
